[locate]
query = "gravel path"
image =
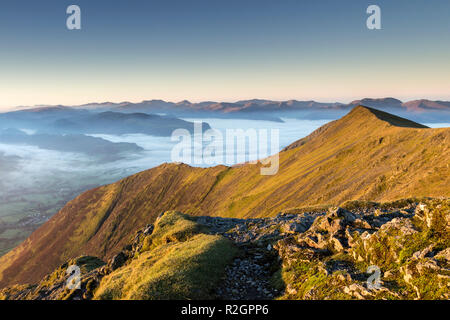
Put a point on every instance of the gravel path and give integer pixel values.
(248, 276)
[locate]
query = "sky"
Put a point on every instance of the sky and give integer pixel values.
(133, 50)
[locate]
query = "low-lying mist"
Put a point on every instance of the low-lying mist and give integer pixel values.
(38, 178)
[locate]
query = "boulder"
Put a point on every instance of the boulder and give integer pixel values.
(149, 229)
(342, 213)
(336, 244)
(443, 255)
(293, 227)
(117, 261)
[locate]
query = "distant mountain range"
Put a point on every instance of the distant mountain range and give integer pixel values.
(259, 109)
(257, 105)
(366, 155)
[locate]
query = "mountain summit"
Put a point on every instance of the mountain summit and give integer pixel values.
(366, 155)
(362, 113)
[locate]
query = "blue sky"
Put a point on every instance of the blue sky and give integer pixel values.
(222, 50)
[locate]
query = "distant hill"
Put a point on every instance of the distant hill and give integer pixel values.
(122, 123)
(383, 103)
(366, 155)
(426, 105)
(415, 106)
(97, 148)
(65, 120)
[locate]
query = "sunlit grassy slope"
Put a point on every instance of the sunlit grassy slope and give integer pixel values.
(366, 155)
(178, 262)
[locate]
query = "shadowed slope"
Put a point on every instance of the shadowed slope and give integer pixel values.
(389, 118)
(368, 155)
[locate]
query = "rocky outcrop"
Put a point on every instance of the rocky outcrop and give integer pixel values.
(398, 251)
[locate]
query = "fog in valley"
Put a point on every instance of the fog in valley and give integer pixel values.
(36, 182)
(49, 156)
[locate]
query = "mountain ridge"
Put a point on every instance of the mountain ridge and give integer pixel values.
(389, 103)
(358, 157)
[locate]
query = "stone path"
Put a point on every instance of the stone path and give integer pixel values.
(248, 276)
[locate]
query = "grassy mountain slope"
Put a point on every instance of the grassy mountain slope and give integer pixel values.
(176, 258)
(366, 155)
(325, 253)
(177, 261)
